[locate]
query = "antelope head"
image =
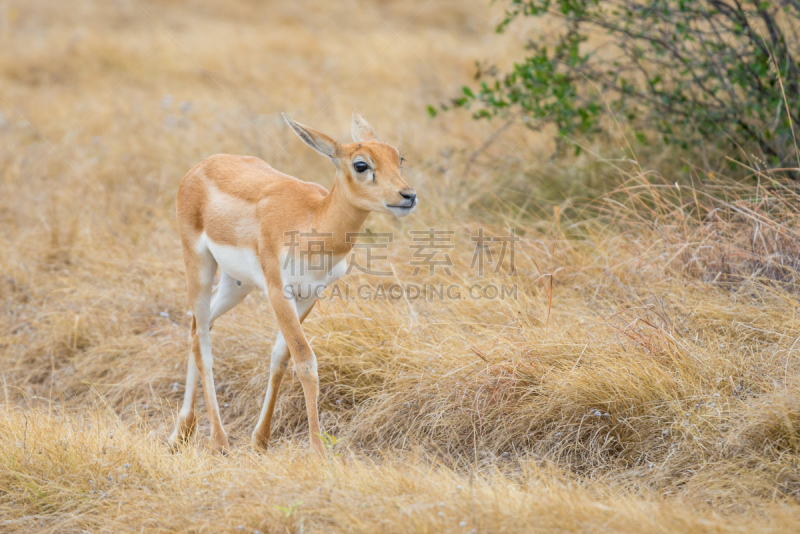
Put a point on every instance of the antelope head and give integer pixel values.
(368, 171)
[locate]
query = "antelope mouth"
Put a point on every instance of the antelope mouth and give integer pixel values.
(404, 206)
(402, 210)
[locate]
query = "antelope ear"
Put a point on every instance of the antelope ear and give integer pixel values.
(361, 130)
(316, 140)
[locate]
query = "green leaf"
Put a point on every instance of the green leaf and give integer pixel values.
(673, 79)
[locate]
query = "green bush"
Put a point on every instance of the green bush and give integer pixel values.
(705, 70)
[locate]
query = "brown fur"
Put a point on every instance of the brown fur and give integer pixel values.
(243, 202)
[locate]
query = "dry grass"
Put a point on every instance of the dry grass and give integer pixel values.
(644, 380)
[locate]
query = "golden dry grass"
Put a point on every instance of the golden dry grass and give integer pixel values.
(644, 380)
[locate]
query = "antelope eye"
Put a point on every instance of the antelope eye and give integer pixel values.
(360, 166)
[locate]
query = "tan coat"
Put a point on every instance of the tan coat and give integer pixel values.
(250, 220)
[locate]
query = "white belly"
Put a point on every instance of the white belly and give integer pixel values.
(239, 263)
(243, 265)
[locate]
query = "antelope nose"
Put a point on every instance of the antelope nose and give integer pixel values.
(409, 195)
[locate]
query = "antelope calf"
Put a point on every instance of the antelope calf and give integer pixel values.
(240, 214)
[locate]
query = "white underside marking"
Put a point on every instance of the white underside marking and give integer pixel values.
(243, 265)
(308, 283)
(239, 263)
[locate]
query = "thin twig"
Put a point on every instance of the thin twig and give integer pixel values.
(484, 146)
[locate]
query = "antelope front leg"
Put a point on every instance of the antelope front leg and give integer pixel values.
(279, 361)
(305, 362)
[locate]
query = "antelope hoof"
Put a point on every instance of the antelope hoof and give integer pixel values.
(183, 431)
(259, 442)
(317, 447)
(219, 443)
